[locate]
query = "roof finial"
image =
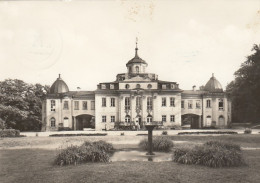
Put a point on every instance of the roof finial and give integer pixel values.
(136, 48)
(213, 75)
(59, 76)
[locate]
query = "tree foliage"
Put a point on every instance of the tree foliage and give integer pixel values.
(245, 89)
(20, 104)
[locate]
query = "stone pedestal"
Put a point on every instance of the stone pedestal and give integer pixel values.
(150, 128)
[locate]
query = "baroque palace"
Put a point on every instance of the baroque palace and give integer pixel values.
(136, 98)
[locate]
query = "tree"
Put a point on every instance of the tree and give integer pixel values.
(21, 103)
(245, 89)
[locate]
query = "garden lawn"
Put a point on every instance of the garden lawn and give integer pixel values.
(36, 165)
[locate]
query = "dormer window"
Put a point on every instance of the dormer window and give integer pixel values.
(112, 86)
(164, 87)
(103, 86)
(172, 86)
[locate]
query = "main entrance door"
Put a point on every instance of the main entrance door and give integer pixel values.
(190, 120)
(84, 121)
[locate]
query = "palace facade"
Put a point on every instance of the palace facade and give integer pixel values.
(136, 98)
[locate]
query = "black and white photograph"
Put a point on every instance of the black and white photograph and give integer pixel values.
(129, 91)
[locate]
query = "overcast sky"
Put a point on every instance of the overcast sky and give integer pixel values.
(90, 42)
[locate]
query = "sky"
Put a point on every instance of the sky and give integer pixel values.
(89, 42)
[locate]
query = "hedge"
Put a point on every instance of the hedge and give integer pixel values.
(78, 134)
(9, 133)
(207, 132)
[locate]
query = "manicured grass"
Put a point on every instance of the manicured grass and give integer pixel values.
(36, 165)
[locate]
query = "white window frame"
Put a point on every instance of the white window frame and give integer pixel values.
(164, 101)
(172, 118)
(112, 102)
(164, 118)
(84, 107)
(112, 119)
(172, 102)
(76, 105)
(104, 119)
(104, 102)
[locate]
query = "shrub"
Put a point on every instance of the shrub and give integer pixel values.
(211, 154)
(101, 145)
(122, 134)
(226, 145)
(159, 144)
(247, 131)
(164, 133)
(64, 129)
(80, 154)
(97, 151)
(9, 133)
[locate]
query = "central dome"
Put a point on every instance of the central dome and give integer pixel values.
(213, 85)
(136, 59)
(59, 86)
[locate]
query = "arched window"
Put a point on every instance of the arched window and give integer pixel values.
(127, 119)
(138, 86)
(137, 69)
(221, 121)
(149, 119)
(127, 86)
(53, 122)
(208, 121)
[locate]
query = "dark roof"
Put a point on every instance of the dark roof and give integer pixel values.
(136, 59)
(213, 85)
(192, 92)
(59, 86)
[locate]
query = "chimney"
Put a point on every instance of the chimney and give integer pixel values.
(194, 88)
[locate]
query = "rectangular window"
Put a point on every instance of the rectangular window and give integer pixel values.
(92, 105)
(220, 104)
(52, 105)
(182, 104)
(172, 118)
(189, 104)
(113, 119)
(172, 101)
(164, 101)
(208, 104)
(104, 119)
(163, 118)
(66, 105)
(103, 86)
(164, 87)
(112, 86)
(197, 104)
(112, 102)
(84, 105)
(127, 103)
(149, 103)
(138, 102)
(76, 105)
(104, 102)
